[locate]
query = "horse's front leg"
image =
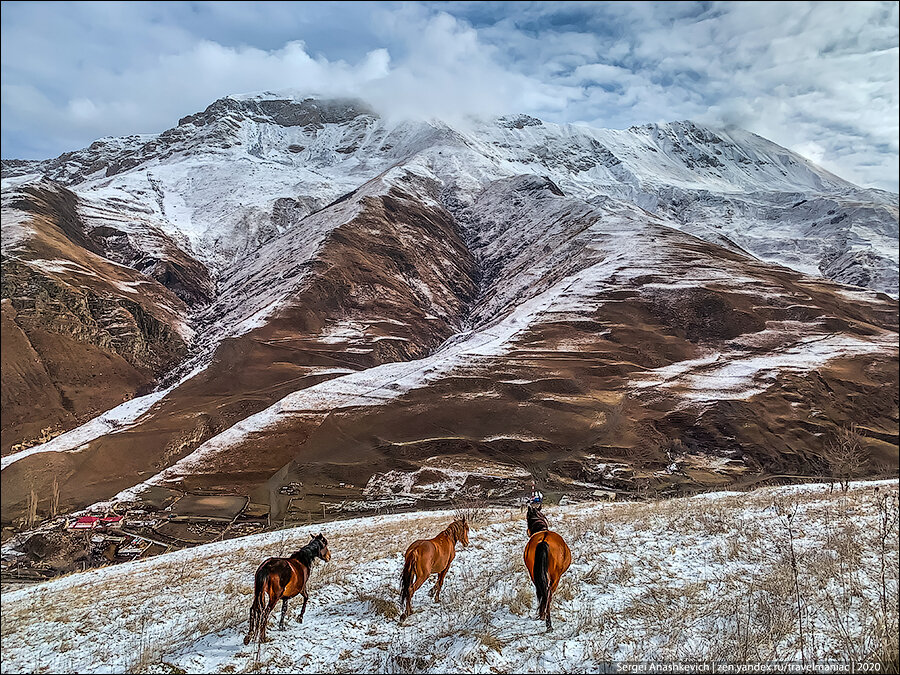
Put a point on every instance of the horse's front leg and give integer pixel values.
(433, 589)
(305, 595)
(284, 610)
(439, 584)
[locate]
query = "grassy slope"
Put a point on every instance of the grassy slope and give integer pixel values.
(708, 577)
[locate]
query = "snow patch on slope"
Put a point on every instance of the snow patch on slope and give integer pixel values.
(735, 376)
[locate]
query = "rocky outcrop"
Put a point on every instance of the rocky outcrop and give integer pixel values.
(116, 325)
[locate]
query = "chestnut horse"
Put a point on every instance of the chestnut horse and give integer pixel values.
(425, 557)
(547, 557)
(281, 579)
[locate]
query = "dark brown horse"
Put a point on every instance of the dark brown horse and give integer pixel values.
(425, 557)
(281, 579)
(547, 557)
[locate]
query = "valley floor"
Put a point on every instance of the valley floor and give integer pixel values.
(706, 578)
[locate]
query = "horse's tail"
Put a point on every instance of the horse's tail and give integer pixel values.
(541, 577)
(406, 579)
(260, 590)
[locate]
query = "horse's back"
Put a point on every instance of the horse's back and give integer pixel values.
(417, 545)
(433, 554)
(290, 574)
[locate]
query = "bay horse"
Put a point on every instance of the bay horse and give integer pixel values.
(281, 579)
(425, 557)
(547, 557)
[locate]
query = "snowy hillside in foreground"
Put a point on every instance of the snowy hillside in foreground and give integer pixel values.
(703, 578)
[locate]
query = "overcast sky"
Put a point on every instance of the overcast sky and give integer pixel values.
(819, 78)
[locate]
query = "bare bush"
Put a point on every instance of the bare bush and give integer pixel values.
(54, 497)
(844, 456)
(31, 509)
(379, 605)
(473, 511)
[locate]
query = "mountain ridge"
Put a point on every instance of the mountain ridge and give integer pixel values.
(583, 160)
(361, 298)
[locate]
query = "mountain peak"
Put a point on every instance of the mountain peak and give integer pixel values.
(283, 109)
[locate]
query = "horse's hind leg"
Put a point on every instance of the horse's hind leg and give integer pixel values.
(284, 610)
(416, 585)
(305, 594)
(265, 618)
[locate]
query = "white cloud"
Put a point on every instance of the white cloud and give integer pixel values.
(819, 78)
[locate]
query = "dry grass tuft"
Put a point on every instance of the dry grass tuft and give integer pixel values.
(379, 605)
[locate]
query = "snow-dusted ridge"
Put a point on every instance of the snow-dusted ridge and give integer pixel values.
(558, 249)
(215, 178)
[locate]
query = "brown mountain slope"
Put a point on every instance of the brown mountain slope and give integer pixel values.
(686, 363)
(528, 333)
(397, 268)
(80, 333)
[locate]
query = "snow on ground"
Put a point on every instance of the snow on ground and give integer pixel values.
(704, 578)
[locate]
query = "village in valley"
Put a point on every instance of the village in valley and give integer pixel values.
(162, 520)
(104, 534)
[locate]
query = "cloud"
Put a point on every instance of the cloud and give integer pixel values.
(819, 78)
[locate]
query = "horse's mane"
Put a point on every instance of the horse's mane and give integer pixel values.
(455, 530)
(309, 552)
(537, 521)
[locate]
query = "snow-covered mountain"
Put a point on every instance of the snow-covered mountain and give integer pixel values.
(318, 292)
(247, 168)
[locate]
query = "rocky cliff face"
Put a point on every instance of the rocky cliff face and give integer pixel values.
(420, 311)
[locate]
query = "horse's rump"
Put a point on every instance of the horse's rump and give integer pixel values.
(547, 557)
(558, 555)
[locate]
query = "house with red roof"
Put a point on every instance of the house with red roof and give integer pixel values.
(84, 523)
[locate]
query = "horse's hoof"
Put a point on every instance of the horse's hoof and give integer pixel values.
(246, 640)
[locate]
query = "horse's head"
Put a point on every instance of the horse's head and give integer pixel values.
(323, 552)
(464, 537)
